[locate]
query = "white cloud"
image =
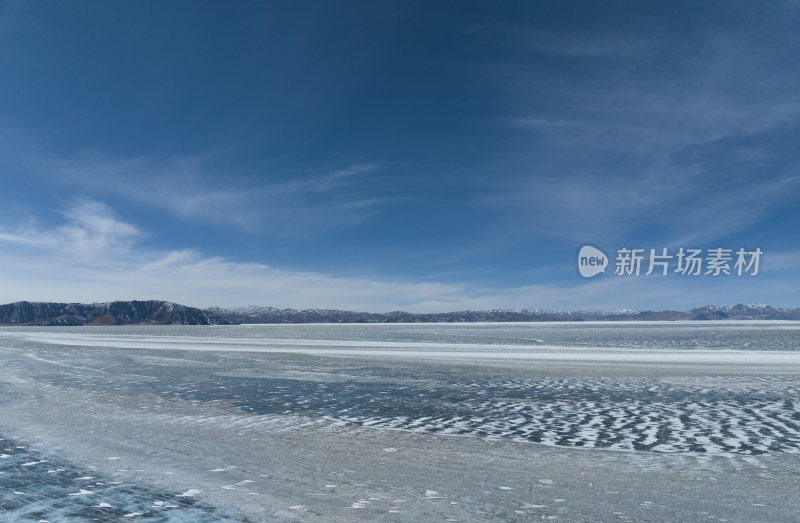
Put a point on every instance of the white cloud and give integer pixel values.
(96, 257)
(91, 233)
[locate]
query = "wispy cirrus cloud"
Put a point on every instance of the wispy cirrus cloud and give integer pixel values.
(684, 206)
(644, 133)
(193, 188)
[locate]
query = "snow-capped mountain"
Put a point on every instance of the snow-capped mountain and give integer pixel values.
(257, 314)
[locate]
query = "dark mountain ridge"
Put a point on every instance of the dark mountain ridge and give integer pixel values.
(151, 312)
(156, 312)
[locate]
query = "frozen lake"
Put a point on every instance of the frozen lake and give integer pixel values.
(575, 421)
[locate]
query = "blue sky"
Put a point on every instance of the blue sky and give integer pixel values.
(423, 156)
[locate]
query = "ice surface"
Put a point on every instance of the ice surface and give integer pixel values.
(423, 422)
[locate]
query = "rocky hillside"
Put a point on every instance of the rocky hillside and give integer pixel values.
(151, 312)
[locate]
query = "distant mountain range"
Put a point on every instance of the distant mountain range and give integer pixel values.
(156, 312)
(256, 314)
